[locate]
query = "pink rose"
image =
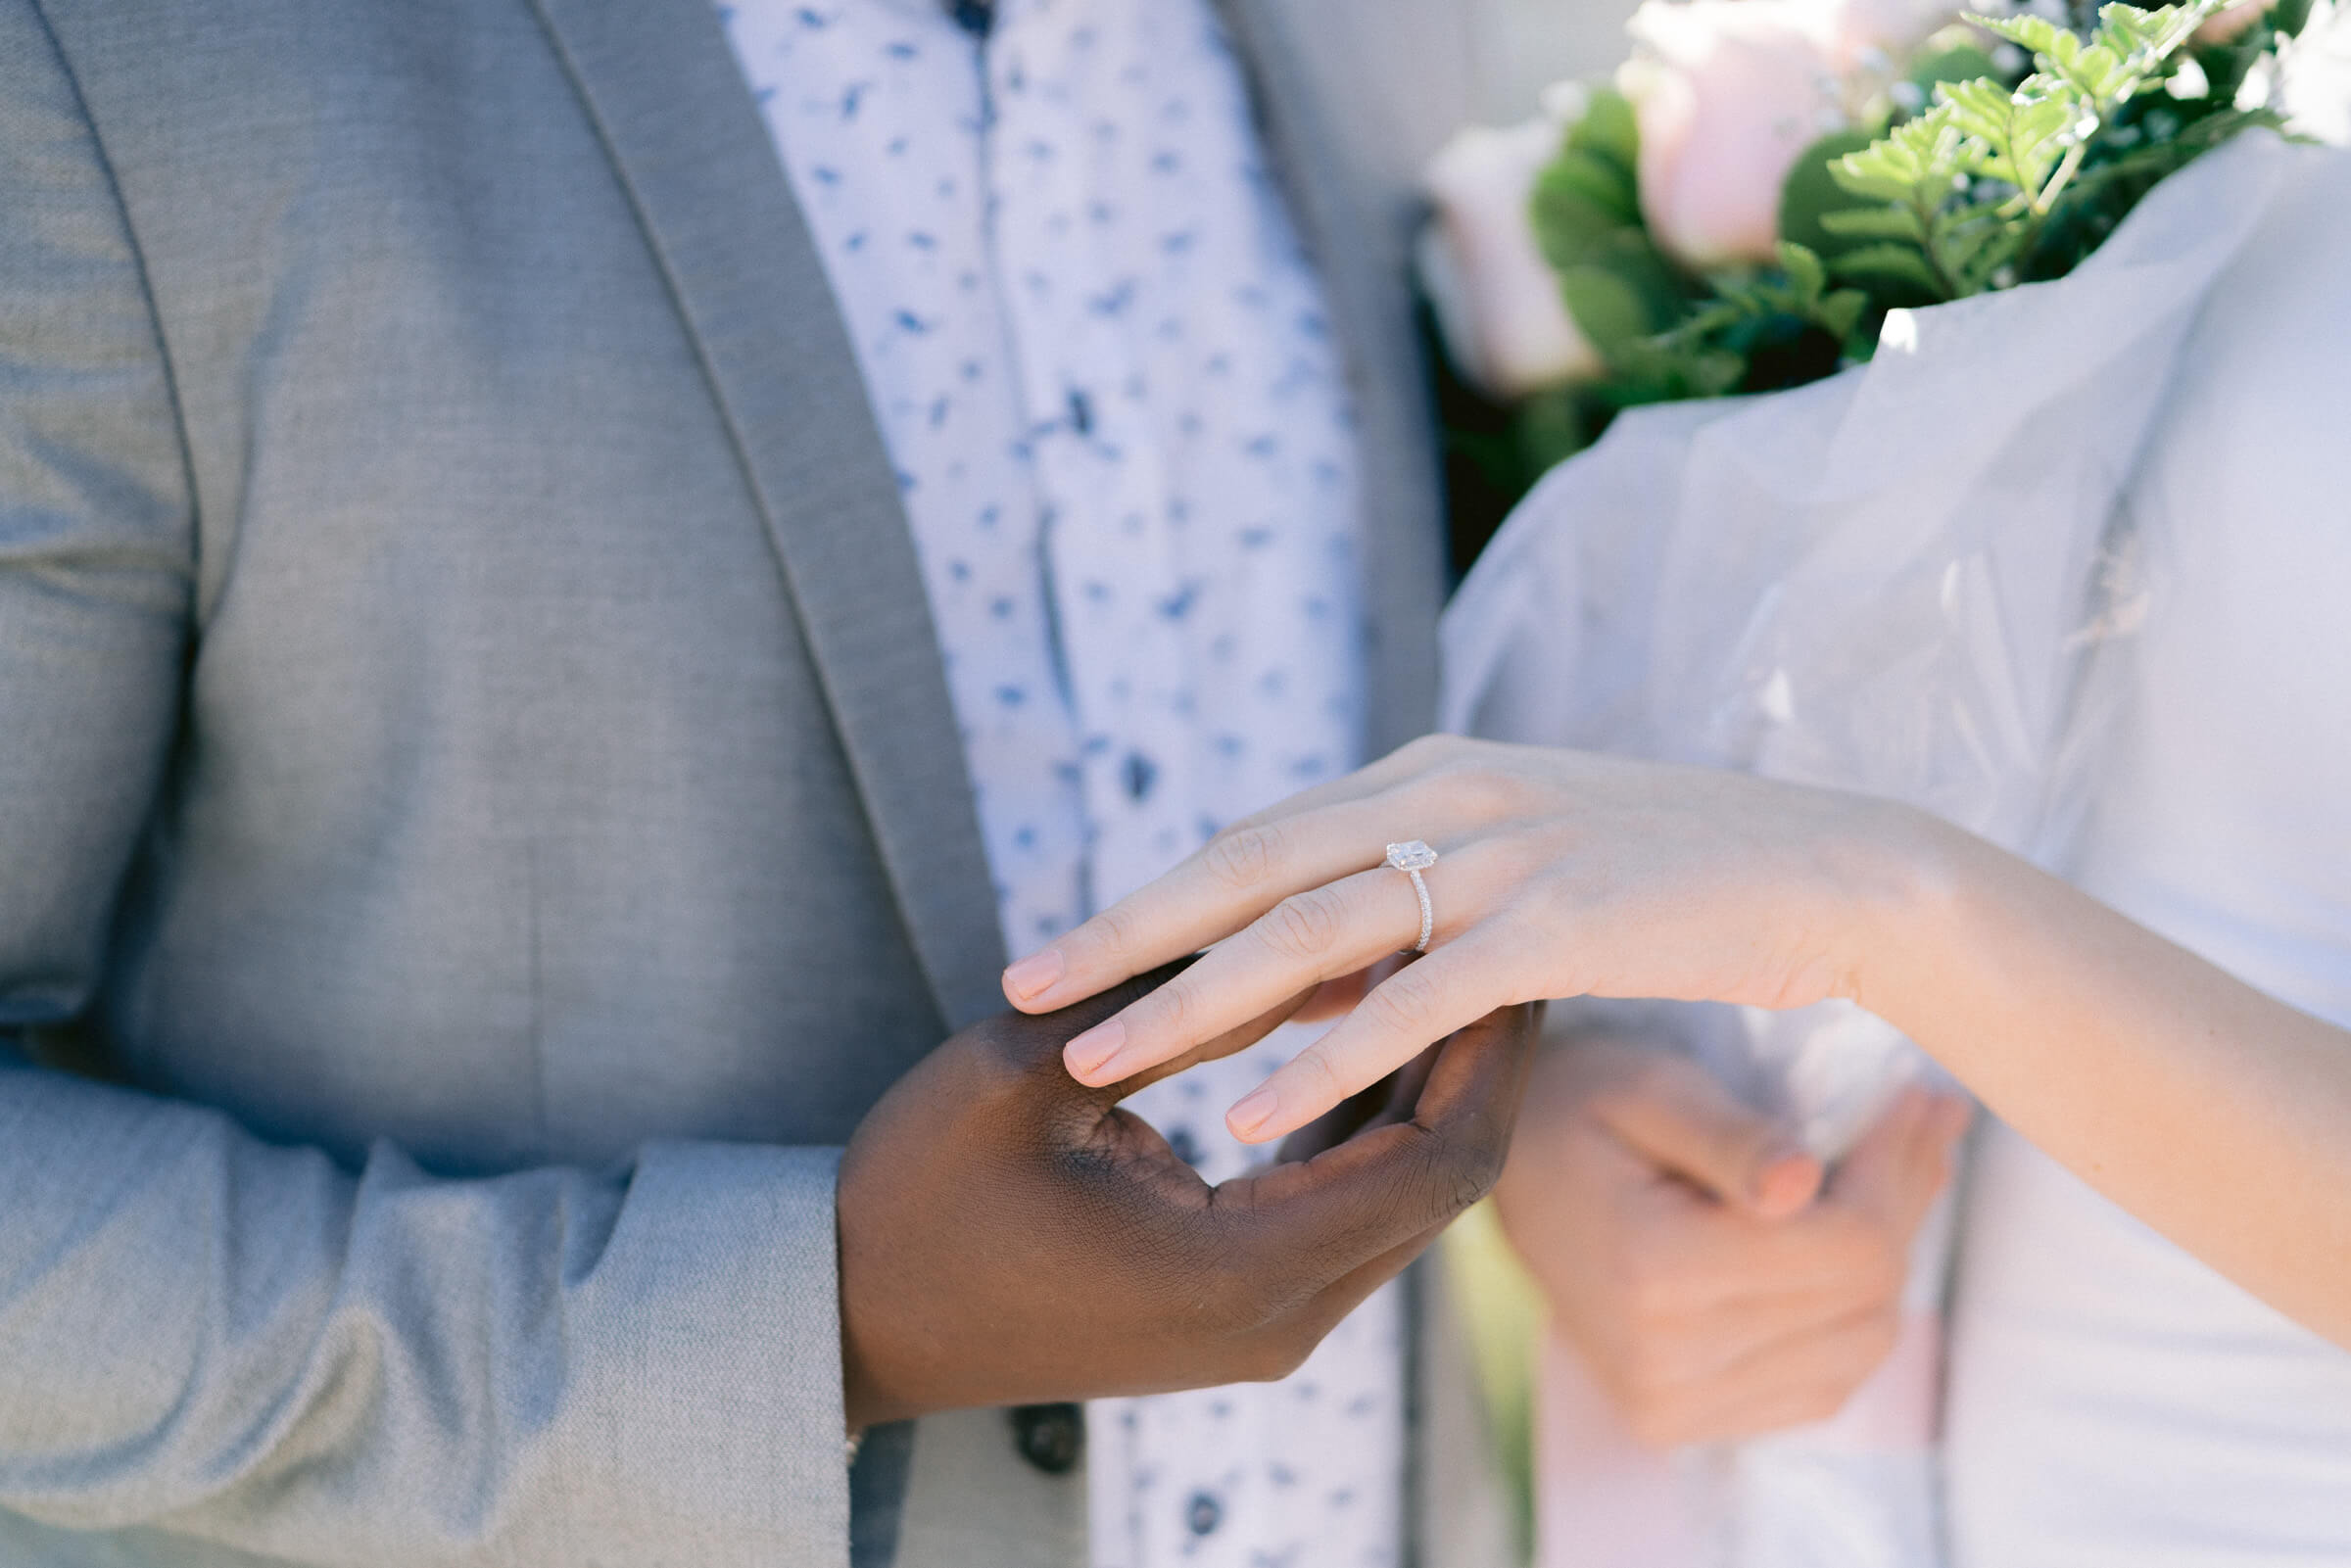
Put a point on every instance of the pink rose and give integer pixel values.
(1498, 303)
(2231, 23)
(1880, 33)
(1727, 93)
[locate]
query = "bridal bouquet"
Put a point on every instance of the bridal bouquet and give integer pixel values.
(1766, 179)
(1835, 336)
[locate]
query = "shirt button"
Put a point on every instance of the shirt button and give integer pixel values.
(1050, 1437)
(1203, 1514)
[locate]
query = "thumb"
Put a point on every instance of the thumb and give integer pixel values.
(1679, 1118)
(1900, 1165)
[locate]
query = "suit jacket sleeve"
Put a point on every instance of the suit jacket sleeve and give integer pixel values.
(209, 1337)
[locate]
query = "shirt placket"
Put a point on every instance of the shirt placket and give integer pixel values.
(1115, 576)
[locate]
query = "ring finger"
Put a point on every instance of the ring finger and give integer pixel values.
(1319, 934)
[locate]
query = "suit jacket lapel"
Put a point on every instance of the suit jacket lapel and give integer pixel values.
(669, 99)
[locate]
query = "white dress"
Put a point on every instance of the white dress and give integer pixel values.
(2111, 1402)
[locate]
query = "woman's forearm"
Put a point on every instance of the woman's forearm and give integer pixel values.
(2216, 1114)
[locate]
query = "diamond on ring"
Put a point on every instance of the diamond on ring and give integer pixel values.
(1413, 857)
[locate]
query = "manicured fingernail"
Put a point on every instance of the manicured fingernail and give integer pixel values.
(1036, 974)
(1252, 1111)
(1085, 1055)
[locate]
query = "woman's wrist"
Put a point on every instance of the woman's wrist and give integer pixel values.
(1905, 877)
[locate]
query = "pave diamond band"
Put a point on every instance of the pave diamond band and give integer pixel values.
(1413, 857)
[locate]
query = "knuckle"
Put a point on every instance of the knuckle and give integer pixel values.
(1113, 932)
(1243, 857)
(1482, 1152)
(1470, 788)
(1304, 924)
(1406, 1003)
(1169, 1009)
(1453, 1178)
(1429, 750)
(1439, 1180)
(1311, 1071)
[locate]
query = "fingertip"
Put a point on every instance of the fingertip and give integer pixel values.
(1091, 1056)
(1255, 1116)
(1786, 1184)
(1028, 985)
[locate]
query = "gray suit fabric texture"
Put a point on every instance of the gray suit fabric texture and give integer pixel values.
(480, 812)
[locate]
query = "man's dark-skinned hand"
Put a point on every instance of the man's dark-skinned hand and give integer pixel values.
(1008, 1236)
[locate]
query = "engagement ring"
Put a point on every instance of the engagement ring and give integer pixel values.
(1411, 858)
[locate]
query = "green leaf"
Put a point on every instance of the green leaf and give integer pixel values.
(1841, 311)
(1608, 128)
(1589, 195)
(1568, 223)
(1551, 428)
(1958, 63)
(1717, 373)
(1977, 245)
(1593, 179)
(1994, 183)
(1875, 223)
(2011, 136)
(1610, 310)
(2040, 37)
(1896, 263)
(1810, 194)
(1914, 161)
(1806, 275)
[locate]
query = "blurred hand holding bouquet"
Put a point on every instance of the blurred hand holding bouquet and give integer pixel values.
(1956, 257)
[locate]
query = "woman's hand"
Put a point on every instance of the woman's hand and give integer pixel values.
(1715, 1281)
(1561, 874)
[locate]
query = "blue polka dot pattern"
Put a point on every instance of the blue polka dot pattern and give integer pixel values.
(1101, 364)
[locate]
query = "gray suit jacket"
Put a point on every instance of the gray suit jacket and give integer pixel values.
(476, 776)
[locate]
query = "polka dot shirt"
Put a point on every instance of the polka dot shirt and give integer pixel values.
(1102, 366)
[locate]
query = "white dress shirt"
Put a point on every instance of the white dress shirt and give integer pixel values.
(1100, 362)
